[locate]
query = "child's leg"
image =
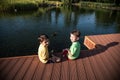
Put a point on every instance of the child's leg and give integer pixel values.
(54, 59)
(64, 54)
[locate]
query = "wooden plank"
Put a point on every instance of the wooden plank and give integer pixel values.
(102, 67)
(81, 69)
(1, 61)
(114, 37)
(47, 71)
(100, 64)
(114, 42)
(115, 66)
(106, 61)
(115, 54)
(113, 46)
(89, 71)
(103, 41)
(112, 59)
(108, 66)
(73, 70)
(56, 73)
(116, 50)
(65, 71)
(21, 73)
(3, 65)
(8, 68)
(95, 67)
(29, 74)
(39, 71)
(15, 69)
(95, 38)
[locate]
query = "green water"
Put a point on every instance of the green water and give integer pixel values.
(19, 30)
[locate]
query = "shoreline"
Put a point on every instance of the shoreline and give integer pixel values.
(35, 6)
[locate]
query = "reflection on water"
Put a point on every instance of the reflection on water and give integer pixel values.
(19, 30)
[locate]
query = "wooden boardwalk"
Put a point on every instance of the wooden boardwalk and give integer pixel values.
(100, 62)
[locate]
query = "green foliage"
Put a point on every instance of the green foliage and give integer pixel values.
(19, 4)
(67, 1)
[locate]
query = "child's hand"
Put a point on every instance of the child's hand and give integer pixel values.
(69, 52)
(64, 52)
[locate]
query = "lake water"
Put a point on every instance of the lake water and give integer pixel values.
(19, 30)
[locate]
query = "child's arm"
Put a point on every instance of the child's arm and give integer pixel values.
(69, 52)
(72, 52)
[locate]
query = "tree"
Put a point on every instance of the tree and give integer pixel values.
(117, 2)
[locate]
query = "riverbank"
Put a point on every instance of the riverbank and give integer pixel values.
(24, 5)
(97, 5)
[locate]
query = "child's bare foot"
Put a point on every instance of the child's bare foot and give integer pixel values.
(58, 60)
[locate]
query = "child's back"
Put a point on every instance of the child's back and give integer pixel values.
(43, 53)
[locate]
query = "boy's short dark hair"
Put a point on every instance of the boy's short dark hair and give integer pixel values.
(76, 33)
(43, 37)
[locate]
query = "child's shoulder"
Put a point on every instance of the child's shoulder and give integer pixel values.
(77, 43)
(41, 46)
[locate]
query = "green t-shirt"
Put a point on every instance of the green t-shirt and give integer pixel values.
(75, 50)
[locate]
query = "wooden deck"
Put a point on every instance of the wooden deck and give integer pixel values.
(101, 62)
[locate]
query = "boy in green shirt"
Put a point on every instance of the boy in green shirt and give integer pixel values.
(74, 50)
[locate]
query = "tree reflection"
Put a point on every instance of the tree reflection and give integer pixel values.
(103, 17)
(118, 21)
(108, 18)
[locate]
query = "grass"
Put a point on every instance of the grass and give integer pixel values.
(19, 4)
(12, 5)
